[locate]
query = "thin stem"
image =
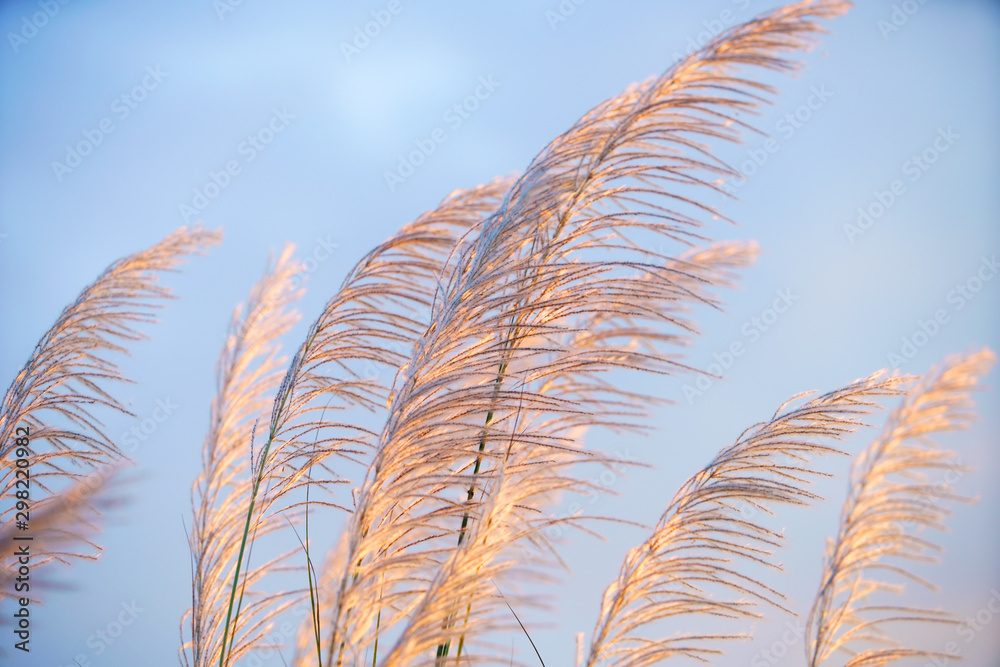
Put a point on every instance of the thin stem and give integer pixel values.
(227, 651)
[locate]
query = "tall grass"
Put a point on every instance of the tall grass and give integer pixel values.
(485, 339)
(59, 393)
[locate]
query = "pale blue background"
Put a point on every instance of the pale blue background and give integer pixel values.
(322, 178)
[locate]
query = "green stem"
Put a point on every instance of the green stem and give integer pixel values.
(227, 651)
(442, 650)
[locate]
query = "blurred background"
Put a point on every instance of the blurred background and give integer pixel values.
(876, 208)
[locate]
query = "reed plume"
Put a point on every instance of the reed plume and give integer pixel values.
(59, 394)
(367, 330)
(698, 557)
(509, 526)
(248, 373)
(363, 331)
(891, 502)
(62, 530)
(558, 250)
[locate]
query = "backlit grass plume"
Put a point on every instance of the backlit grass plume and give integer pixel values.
(557, 250)
(58, 395)
(249, 372)
(366, 331)
(697, 270)
(349, 354)
(62, 529)
(891, 502)
(704, 549)
(505, 534)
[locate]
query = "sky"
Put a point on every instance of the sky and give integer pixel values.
(871, 190)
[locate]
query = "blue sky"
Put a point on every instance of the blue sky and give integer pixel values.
(899, 122)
